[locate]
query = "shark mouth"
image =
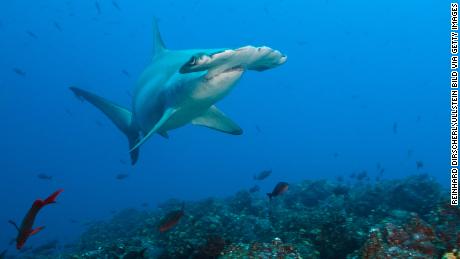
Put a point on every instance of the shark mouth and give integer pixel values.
(217, 72)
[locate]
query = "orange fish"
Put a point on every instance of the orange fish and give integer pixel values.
(171, 219)
(25, 230)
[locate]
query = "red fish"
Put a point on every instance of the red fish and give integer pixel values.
(26, 229)
(170, 220)
(279, 189)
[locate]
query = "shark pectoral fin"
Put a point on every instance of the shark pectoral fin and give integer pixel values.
(164, 134)
(215, 119)
(36, 230)
(121, 117)
(166, 115)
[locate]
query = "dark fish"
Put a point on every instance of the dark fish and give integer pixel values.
(122, 161)
(263, 175)
(43, 176)
(126, 73)
(19, 71)
(258, 129)
(98, 7)
(135, 254)
(409, 152)
(73, 221)
(254, 189)
(3, 254)
(361, 176)
(115, 4)
(395, 128)
(69, 112)
(279, 189)
(302, 42)
(145, 204)
(171, 219)
(336, 155)
(121, 176)
(339, 178)
(419, 118)
(26, 229)
(31, 34)
(353, 175)
(57, 26)
(419, 164)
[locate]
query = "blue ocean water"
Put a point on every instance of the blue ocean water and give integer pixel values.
(366, 83)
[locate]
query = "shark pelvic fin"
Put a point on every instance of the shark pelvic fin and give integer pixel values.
(215, 119)
(166, 115)
(158, 44)
(121, 117)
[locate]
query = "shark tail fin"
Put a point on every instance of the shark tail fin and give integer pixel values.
(158, 44)
(120, 116)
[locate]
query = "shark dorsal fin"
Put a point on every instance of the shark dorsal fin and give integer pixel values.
(158, 44)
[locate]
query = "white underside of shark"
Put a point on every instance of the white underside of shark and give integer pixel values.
(181, 87)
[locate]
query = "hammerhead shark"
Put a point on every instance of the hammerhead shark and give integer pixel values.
(181, 87)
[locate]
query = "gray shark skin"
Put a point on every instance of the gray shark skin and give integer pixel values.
(181, 87)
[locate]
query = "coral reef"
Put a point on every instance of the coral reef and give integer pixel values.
(407, 218)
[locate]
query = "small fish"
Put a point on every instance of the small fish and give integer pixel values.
(279, 189)
(419, 118)
(43, 176)
(254, 189)
(419, 164)
(26, 229)
(395, 128)
(57, 26)
(73, 221)
(135, 254)
(19, 71)
(121, 176)
(98, 7)
(258, 129)
(31, 34)
(339, 178)
(302, 42)
(362, 175)
(69, 112)
(126, 73)
(335, 155)
(122, 161)
(263, 175)
(171, 219)
(116, 5)
(145, 204)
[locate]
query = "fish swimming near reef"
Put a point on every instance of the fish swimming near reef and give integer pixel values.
(181, 87)
(279, 189)
(19, 71)
(254, 189)
(135, 254)
(26, 229)
(121, 176)
(263, 175)
(171, 219)
(419, 164)
(43, 176)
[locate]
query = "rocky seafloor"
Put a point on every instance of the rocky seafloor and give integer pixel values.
(405, 218)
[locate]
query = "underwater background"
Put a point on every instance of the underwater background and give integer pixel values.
(365, 87)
